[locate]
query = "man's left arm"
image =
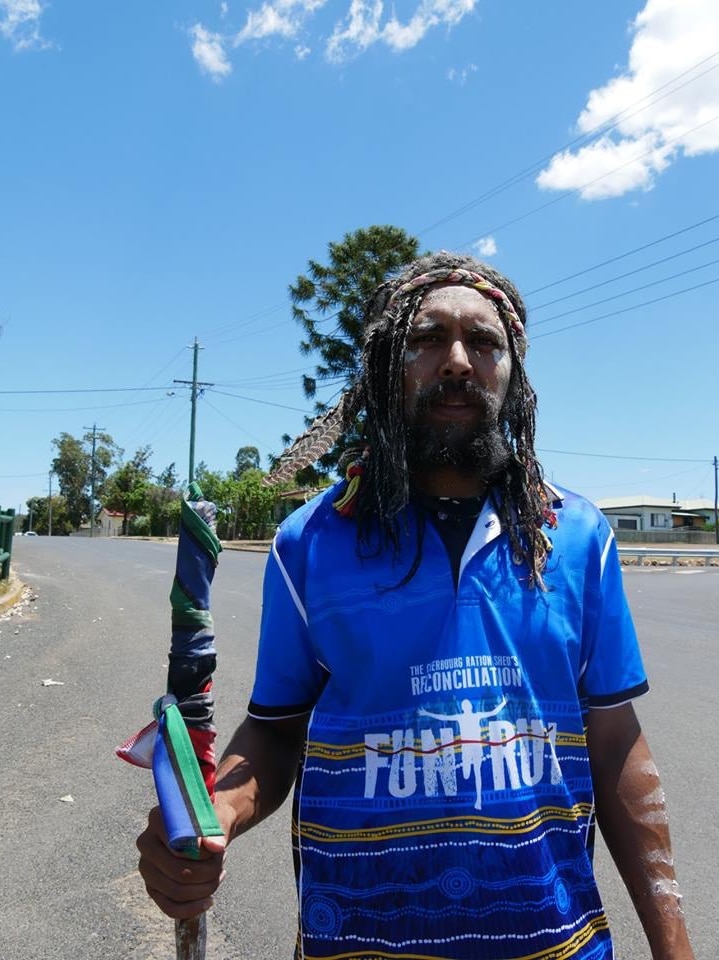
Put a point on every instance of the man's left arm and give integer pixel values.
(632, 816)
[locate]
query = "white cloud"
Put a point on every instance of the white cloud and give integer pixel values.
(20, 23)
(208, 49)
(431, 13)
(302, 52)
(662, 114)
(486, 246)
(268, 21)
(282, 18)
(460, 75)
(224, 8)
(360, 28)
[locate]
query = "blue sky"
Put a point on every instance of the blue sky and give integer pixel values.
(168, 169)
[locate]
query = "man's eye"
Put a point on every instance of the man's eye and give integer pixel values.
(485, 341)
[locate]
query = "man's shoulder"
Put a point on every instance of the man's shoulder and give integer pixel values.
(317, 513)
(575, 513)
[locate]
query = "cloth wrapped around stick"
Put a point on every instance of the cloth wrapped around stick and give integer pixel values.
(179, 744)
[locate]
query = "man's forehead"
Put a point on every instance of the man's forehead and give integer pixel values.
(459, 276)
(459, 301)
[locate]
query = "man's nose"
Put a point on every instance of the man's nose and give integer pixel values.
(456, 362)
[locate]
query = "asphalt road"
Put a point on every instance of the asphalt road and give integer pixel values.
(99, 627)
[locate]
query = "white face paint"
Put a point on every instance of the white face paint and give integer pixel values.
(654, 803)
(658, 856)
(654, 799)
(669, 890)
(409, 357)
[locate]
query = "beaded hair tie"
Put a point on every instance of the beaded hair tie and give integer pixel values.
(347, 503)
(467, 278)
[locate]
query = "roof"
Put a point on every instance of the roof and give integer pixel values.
(619, 503)
(698, 503)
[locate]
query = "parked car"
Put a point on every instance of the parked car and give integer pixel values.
(30, 533)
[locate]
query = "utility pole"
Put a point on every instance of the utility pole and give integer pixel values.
(195, 385)
(94, 429)
(716, 499)
(49, 504)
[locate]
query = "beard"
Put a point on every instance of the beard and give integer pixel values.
(479, 447)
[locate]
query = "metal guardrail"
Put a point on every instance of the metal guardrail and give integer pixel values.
(671, 552)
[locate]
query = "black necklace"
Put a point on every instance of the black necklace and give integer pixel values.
(457, 509)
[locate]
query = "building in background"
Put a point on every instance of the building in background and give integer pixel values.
(656, 515)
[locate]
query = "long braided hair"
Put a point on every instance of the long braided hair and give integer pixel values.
(386, 484)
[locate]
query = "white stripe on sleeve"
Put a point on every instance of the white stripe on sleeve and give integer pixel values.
(290, 586)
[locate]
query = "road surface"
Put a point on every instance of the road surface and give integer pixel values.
(99, 628)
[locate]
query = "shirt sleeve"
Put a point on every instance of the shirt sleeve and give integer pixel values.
(288, 677)
(612, 672)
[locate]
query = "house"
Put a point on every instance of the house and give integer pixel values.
(110, 523)
(654, 514)
(638, 513)
(694, 513)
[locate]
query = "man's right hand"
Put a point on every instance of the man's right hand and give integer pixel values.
(181, 888)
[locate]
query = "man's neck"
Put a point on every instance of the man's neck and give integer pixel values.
(449, 482)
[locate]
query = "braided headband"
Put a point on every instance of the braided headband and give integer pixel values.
(469, 279)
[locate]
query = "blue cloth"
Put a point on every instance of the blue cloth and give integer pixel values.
(445, 806)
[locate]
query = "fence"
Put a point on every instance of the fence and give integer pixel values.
(7, 529)
(676, 535)
(641, 553)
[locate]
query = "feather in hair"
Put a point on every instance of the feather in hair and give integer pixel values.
(314, 443)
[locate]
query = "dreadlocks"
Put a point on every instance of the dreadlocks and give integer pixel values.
(385, 489)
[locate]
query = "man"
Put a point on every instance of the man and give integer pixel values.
(446, 667)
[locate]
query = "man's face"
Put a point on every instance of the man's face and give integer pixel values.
(457, 367)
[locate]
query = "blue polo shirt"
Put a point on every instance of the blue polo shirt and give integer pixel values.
(444, 807)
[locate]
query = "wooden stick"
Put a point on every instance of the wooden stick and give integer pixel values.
(191, 938)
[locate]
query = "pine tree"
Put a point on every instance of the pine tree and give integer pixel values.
(328, 301)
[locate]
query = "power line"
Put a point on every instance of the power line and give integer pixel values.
(252, 333)
(85, 390)
(589, 183)
(616, 456)
(104, 406)
(623, 276)
(234, 424)
(21, 476)
(265, 377)
(245, 321)
(266, 403)
(604, 127)
(637, 306)
(643, 482)
(626, 293)
(179, 353)
(622, 256)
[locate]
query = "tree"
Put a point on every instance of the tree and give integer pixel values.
(337, 292)
(253, 505)
(246, 458)
(74, 468)
(169, 478)
(39, 512)
(163, 503)
(125, 491)
(210, 482)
